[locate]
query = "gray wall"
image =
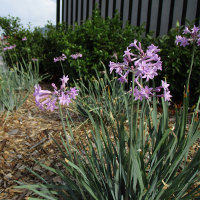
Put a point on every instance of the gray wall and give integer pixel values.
(158, 15)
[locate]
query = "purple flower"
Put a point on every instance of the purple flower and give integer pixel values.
(144, 65)
(54, 86)
(5, 48)
(46, 99)
(127, 56)
(76, 56)
(143, 93)
(24, 39)
(9, 47)
(122, 79)
(195, 30)
(137, 94)
(138, 47)
(146, 92)
(167, 95)
(192, 36)
(182, 40)
(61, 58)
(73, 92)
(118, 67)
(198, 42)
(153, 48)
(51, 105)
(164, 85)
(64, 99)
(64, 80)
(186, 30)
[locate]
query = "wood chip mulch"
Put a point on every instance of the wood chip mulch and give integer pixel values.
(24, 138)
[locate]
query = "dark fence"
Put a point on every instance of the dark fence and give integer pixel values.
(158, 15)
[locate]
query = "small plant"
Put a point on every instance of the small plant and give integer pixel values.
(138, 154)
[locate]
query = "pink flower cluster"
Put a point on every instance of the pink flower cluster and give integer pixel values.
(76, 56)
(46, 99)
(24, 38)
(194, 36)
(61, 58)
(144, 65)
(9, 47)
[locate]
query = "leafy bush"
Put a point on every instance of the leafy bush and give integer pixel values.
(10, 25)
(94, 39)
(98, 40)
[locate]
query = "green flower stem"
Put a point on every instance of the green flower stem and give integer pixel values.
(62, 67)
(132, 136)
(132, 108)
(186, 100)
(191, 65)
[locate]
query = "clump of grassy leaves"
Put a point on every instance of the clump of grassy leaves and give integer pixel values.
(137, 155)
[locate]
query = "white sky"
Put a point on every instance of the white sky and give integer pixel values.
(37, 12)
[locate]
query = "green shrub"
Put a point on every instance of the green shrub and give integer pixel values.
(98, 40)
(10, 25)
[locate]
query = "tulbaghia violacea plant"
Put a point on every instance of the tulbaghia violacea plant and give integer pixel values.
(9, 47)
(24, 38)
(46, 99)
(60, 58)
(191, 36)
(144, 65)
(137, 155)
(63, 57)
(76, 56)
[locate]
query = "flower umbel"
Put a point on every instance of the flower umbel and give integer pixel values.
(76, 56)
(144, 66)
(61, 58)
(24, 38)
(46, 99)
(9, 47)
(191, 36)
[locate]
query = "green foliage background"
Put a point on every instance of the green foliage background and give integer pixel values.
(98, 40)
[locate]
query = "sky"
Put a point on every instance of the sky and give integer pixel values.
(37, 12)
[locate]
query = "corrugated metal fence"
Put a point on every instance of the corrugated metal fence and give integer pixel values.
(158, 15)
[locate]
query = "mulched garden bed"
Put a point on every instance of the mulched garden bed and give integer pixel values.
(24, 138)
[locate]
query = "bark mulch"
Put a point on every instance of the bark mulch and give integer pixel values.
(25, 138)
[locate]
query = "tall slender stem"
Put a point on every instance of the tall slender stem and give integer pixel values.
(190, 71)
(62, 67)
(132, 108)
(131, 138)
